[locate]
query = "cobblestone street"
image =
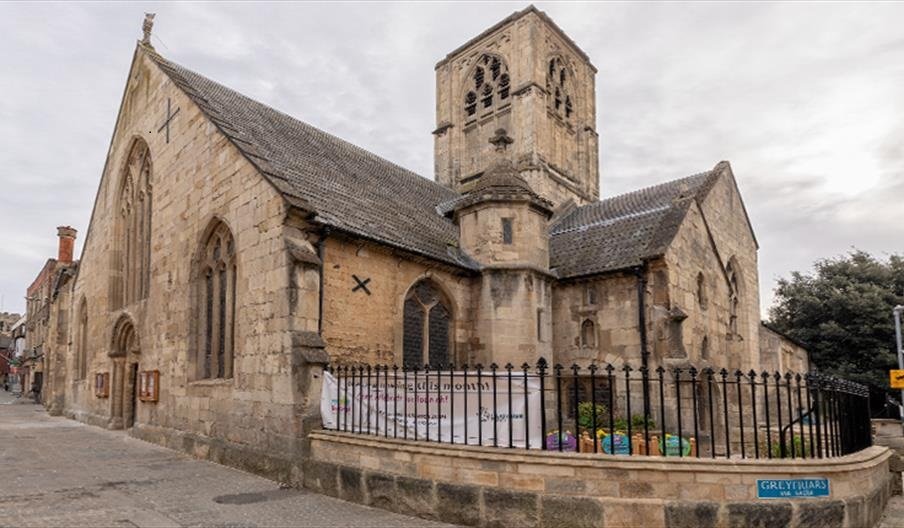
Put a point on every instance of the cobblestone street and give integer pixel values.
(59, 472)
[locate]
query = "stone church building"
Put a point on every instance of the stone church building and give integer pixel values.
(234, 250)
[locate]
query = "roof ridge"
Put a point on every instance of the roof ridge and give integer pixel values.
(345, 186)
(367, 153)
(656, 186)
(637, 193)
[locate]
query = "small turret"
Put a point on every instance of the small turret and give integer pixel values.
(502, 221)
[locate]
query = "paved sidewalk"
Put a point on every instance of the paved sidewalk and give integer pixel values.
(894, 513)
(58, 472)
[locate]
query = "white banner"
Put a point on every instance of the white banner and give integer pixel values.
(446, 407)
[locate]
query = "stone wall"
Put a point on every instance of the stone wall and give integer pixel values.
(198, 177)
(476, 486)
(693, 324)
(367, 327)
(779, 353)
(731, 233)
(558, 157)
(614, 315)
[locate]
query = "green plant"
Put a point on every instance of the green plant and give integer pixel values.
(621, 424)
(637, 422)
(794, 445)
(585, 416)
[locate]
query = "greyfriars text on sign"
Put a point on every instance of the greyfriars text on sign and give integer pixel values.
(792, 488)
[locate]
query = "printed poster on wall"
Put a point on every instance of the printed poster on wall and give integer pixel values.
(439, 407)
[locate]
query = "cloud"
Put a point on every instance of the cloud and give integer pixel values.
(802, 99)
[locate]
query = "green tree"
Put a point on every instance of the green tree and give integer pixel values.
(843, 312)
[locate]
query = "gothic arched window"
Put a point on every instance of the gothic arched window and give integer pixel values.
(427, 327)
(734, 296)
(588, 334)
(488, 87)
(133, 229)
(558, 86)
(81, 357)
(216, 288)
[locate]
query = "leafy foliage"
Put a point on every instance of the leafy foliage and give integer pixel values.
(843, 312)
(794, 447)
(585, 415)
(621, 424)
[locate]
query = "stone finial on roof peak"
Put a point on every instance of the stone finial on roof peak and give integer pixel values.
(147, 27)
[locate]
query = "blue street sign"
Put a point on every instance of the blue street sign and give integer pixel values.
(792, 488)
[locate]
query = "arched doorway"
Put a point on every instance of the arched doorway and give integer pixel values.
(125, 353)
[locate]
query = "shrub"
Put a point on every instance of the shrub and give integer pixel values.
(585, 416)
(795, 445)
(621, 424)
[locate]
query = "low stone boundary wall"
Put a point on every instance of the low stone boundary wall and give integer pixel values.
(477, 486)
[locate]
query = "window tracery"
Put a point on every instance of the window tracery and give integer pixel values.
(489, 85)
(734, 295)
(427, 326)
(558, 86)
(133, 240)
(217, 284)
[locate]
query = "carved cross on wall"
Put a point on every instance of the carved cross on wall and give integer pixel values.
(362, 284)
(169, 117)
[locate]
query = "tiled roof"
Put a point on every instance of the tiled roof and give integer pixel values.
(355, 191)
(345, 186)
(620, 232)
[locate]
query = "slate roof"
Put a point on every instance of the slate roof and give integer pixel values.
(355, 191)
(345, 186)
(621, 232)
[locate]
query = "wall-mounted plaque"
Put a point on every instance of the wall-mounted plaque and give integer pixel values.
(102, 385)
(149, 385)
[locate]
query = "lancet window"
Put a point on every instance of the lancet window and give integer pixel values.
(558, 88)
(489, 86)
(81, 357)
(217, 304)
(588, 334)
(133, 229)
(734, 295)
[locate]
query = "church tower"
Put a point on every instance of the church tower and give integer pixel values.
(526, 76)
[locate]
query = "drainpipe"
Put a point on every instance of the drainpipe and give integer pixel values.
(641, 273)
(321, 252)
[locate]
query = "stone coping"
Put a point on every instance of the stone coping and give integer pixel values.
(864, 459)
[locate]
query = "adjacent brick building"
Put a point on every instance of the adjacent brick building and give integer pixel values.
(46, 320)
(233, 250)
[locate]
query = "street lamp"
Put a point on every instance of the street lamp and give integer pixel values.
(897, 312)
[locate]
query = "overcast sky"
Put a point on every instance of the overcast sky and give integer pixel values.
(806, 100)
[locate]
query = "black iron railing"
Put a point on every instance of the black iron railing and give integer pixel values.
(677, 411)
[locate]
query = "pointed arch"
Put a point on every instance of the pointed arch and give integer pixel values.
(487, 86)
(735, 291)
(560, 86)
(132, 233)
(214, 279)
(427, 328)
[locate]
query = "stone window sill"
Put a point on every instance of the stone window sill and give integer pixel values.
(215, 382)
